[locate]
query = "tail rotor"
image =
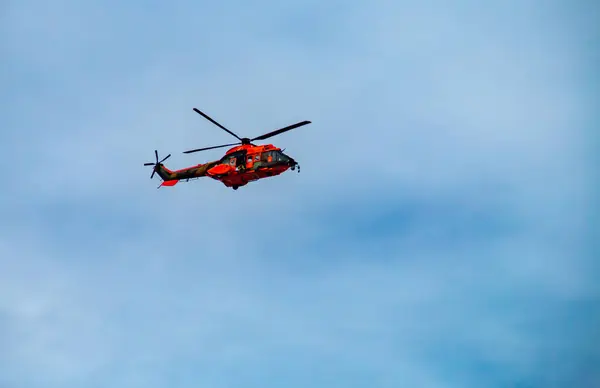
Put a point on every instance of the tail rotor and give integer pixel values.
(158, 163)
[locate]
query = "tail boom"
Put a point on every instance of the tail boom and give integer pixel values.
(170, 178)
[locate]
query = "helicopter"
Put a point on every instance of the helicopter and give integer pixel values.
(245, 162)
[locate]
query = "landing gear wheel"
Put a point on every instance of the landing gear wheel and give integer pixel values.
(235, 187)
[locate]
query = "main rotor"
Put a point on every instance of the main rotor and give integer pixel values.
(243, 140)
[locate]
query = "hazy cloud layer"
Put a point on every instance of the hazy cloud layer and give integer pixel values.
(434, 238)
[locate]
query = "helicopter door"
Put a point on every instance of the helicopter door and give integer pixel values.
(230, 161)
(240, 159)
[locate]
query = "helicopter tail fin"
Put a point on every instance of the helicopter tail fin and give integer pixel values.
(166, 175)
(163, 172)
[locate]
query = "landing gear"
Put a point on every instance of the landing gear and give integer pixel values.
(235, 187)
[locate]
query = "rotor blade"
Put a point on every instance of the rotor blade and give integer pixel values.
(152, 176)
(277, 132)
(165, 158)
(149, 164)
(156, 154)
(210, 148)
(217, 124)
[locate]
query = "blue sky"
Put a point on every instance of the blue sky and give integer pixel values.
(435, 238)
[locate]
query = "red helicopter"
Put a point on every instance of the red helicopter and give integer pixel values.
(242, 164)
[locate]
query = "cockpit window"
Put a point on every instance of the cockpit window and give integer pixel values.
(265, 156)
(282, 157)
(274, 156)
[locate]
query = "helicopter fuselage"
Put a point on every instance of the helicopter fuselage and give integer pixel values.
(240, 165)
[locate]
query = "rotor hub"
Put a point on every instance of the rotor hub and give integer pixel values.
(157, 164)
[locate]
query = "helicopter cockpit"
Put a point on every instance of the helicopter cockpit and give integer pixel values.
(277, 157)
(274, 157)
